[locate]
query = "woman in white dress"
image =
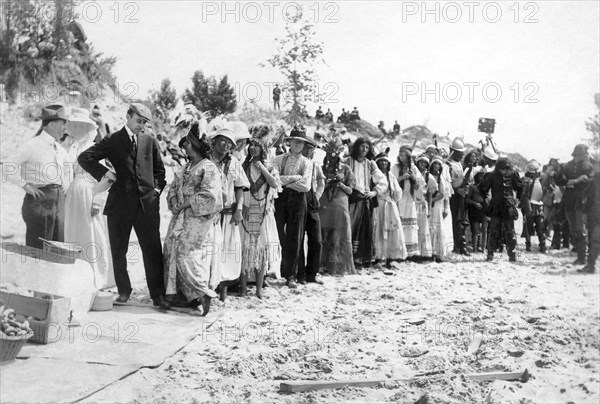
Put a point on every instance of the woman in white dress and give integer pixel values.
(410, 181)
(85, 225)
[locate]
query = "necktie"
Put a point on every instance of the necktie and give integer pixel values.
(312, 177)
(134, 144)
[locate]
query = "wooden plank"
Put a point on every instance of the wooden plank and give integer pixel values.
(495, 376)
(311, 385)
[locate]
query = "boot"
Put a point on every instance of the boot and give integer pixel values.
(490, 256)
(511, 256)
(543, 248)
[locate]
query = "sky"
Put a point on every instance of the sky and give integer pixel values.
(532, 66)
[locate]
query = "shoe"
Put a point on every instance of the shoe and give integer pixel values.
(205, 305)
(259, 294)
(543, 249)
(291, 284)
(465, 252)
(161, 302)
(317, 280)
(123, 298)
(438, 260)
(512, 258)
(588, 269)
(301, 282)
(579, 262)
(490, 257)
(528, 248)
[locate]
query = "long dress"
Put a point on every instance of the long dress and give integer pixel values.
(191, 252)
(407, 207)
(389, 237)
(90, 233)
(261, 252)
(436, 221)
(336, 253)
(232, 177)
(361, 211)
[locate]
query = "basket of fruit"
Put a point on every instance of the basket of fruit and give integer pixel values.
(14, 334)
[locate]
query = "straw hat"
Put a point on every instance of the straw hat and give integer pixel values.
(80, 124)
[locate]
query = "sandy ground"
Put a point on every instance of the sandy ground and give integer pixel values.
(537, 314)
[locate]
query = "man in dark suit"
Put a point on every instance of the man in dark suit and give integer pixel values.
(133, 198)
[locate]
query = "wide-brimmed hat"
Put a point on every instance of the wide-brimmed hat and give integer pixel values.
(226, 133)
(458, 145)
(80, 124)
(240, 130)
(580, 150)
(299, 133)
(54, 113)
(490, 154)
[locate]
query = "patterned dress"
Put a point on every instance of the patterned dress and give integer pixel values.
(192, 261)
(389, 237)
(261, 251)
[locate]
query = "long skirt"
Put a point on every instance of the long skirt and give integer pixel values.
(192, 256)
(423, 230)
(389, 237)
(436, 226)
(261, 251)
(362, 230)
(90, 233)
(408, 212)
(336, 231)
(231, 249)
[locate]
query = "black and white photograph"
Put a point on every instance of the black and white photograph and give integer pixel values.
(300, 201)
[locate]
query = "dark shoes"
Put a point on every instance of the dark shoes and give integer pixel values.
(123, 298)
(579, 261)
(465, 252)
(291, 284)
(490, 257)
(512, 258)
(588, 269)
(543, 249)
(317, 280)
(161, 302)
(301, 282)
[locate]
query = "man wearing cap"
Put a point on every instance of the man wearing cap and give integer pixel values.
(457, 200)
(290, 207)
(133, 200)
(234, 182)
(575, 177)
(532, 206)
(308, 269)
(40, 171)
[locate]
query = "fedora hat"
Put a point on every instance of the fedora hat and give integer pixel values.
(299, 133)
(54, 113)
(80, 124)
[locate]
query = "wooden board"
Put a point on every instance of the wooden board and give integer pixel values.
(495, 376)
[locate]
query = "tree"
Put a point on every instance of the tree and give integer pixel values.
(211, 96)
(593, 127)
(163, 99)
(296, 57)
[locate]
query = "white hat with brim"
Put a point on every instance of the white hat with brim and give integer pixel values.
(490, 154)
(239, 129)
(80, 124)
(226, 133)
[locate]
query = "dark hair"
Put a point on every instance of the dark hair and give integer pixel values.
(263, 153)
(203, 147)
(478, 177)
(356, 148)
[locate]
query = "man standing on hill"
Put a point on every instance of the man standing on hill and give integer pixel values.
(276, 97)
(133, 200)
(41, 173)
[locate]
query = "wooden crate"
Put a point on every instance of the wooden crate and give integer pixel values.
(69, 251)
(50, 312)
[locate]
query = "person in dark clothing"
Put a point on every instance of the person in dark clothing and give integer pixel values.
(575, 177)
(476, 208)
(319, 114)
(354, 115)
(504, 182)
(276, 97)
(396, 128)
(532, 207)
(592, 209)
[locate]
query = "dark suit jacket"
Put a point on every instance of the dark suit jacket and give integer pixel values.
(138, 176)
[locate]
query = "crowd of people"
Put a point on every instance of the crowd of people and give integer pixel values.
(244, 206)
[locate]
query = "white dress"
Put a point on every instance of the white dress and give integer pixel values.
(90, 233)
